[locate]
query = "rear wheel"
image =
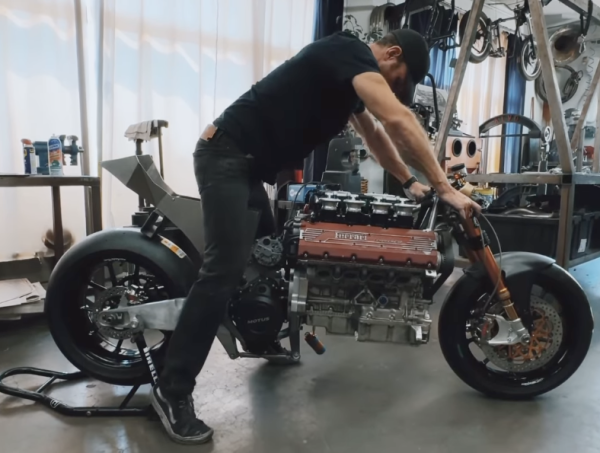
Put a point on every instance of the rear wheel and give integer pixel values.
(97, 283)
(561, 336)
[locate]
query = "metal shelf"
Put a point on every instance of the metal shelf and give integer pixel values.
(33, 308)
(586, 179)
(92, 199)
(535, 178)
(47, 181)
(584, 259)
(516, 178)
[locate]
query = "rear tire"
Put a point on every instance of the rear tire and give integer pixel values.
(577, 324)
(70, 325)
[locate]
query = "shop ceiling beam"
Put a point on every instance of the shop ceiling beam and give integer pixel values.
(581, 7)
(459, 75)
(540, 33)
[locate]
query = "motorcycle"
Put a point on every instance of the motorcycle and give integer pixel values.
(513, 326)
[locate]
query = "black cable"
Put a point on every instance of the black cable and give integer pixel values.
(585, 28)
(435, 101)
(453, 11)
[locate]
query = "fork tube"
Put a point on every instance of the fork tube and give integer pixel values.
(486, 257)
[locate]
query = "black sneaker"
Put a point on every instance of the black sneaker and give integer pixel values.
(179, 418)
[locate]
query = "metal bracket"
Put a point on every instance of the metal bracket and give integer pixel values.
(509, 332)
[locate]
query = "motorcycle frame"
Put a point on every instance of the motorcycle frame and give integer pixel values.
(140, 175)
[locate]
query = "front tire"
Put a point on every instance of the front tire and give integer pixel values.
(552, 286)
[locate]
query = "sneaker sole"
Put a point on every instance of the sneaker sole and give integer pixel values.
(175, 437)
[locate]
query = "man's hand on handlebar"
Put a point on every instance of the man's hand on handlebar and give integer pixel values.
(417, 191)
(461, 203)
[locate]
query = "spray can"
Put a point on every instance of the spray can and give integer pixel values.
(29, 160)
(55, 156)
(314, 342)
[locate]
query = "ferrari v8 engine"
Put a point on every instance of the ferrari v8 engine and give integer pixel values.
(363, 270)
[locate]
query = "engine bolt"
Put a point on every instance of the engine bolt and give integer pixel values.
(408, 262)
(353, 257)
(325, 255)
(380, 260)
(305, 255)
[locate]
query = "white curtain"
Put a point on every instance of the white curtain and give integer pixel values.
(482, 98)
(185, 61)
(39, 97)
(182, 61)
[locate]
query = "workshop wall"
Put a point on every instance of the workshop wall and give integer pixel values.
(183, 61)
(39, 93)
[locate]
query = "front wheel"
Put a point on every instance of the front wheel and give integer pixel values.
(561, 335)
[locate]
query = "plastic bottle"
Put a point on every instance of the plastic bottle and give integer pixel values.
(29, 158)
(55, 156)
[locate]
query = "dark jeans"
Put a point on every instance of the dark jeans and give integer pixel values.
(228, 191)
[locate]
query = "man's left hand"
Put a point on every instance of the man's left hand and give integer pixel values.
(417, 191)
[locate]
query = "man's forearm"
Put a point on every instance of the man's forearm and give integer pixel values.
(412, 143)
(385, 153)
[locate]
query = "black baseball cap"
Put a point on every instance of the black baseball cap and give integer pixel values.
(416, 55)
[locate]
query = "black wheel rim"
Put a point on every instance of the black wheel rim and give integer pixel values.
(106, 274)
(530, 62)
(483, 365)
(481, 43)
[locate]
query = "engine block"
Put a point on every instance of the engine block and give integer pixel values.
(361, 274)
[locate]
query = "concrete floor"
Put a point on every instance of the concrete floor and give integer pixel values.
(358, 397)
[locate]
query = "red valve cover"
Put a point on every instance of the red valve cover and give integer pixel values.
(369, 244)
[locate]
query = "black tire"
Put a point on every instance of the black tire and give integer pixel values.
(540, 88)
(524, 57)
(578, 328)
(486, 48)
(69, 283)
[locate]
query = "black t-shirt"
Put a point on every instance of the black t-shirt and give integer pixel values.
(302, 103)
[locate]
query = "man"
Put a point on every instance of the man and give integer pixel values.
(304, 102)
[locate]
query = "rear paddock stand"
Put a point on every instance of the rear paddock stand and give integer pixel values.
(39, 396)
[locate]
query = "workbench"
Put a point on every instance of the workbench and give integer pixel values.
(93, 218)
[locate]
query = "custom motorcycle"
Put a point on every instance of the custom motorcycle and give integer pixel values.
(513, 326)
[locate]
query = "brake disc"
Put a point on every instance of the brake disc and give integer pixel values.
(546, 338)
(113, 325)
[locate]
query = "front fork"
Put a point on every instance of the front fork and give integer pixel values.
(478, 251)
